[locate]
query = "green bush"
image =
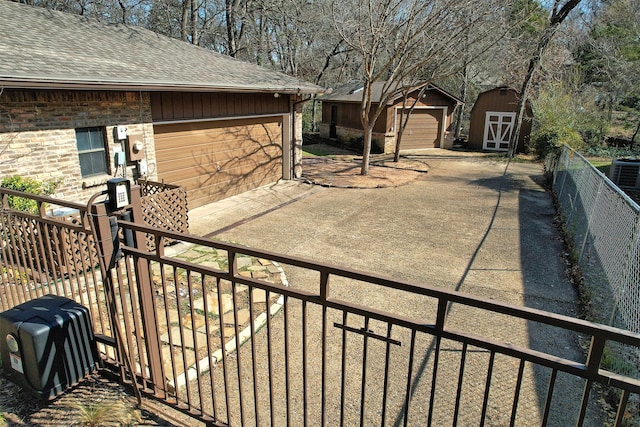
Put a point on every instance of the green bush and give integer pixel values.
(546, 141)
(30, 186)
(564, 115)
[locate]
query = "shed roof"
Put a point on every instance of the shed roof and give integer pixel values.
(352, 92)
(50, 49)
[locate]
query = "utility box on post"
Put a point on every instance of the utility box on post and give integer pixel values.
(47, 345)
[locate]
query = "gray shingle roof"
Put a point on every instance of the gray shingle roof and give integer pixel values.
(42, 48)
(352, 92)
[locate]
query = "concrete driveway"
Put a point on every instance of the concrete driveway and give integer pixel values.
(469, 223)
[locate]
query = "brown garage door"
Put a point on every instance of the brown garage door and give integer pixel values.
(218, 159)
(423, 129)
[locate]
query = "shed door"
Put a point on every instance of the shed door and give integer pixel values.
(218, 159)
(498, 127)
(423, 130)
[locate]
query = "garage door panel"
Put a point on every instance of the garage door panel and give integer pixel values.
(196, 176)
(216, 142)
(211, 159)
(218, 159)
(423, 129)
(222, 139)
(208, 129)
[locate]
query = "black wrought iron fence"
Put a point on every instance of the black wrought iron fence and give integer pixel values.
(239, 343)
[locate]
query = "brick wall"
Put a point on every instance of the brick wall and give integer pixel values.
(37, 135)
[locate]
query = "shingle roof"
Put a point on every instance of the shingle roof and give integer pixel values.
(42, 48)
(352, 92)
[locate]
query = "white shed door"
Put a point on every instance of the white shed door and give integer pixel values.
(498, 127)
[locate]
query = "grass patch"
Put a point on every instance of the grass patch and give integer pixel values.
(315, 150)
(602, 165)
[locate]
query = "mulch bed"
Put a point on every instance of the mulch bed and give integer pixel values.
(346, 173)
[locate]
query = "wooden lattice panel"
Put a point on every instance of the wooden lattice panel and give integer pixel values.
(77, 247)
(164, 206)
(58, 251)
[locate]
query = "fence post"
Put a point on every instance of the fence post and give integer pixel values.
(146, 295)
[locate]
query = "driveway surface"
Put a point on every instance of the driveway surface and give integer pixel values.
(465, 222)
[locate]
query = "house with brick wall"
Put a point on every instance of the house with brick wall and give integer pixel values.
(82, 102)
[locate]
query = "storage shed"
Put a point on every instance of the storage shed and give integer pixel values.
(493, 118)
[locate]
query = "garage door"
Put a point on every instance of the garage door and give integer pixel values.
(423, 130)
(218, 159)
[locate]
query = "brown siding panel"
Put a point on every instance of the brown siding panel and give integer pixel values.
(167, 106)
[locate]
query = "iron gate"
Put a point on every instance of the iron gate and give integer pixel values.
(236, 336)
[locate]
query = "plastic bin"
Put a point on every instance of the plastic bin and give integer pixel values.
(47, 345)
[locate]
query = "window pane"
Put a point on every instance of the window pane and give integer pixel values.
(95, 138)
(82, 139)
(93, 163)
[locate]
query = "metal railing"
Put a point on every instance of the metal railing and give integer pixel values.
(237, 348)
(236, 336)
(604, 225)
(44, 253)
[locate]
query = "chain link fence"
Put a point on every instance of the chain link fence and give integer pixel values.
(604, 225)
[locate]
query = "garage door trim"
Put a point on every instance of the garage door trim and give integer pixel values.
(218, 119)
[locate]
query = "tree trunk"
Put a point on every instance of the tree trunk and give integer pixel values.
(534, 63)
(124, 12)
(460, 110)
(557, 17)
(231, 28)
(366, 151)
(184, 20)
(195, 35)
(404, 118)
(368, 123)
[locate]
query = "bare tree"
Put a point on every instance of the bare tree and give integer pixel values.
(557, 16)
(405, 44)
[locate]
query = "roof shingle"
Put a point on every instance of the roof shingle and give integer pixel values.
(42, 48)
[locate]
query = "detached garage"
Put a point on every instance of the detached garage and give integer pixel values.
(429, 123)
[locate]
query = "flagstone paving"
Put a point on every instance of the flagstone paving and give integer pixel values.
(187, 320)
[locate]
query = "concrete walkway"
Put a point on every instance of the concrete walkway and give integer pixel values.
(470, 224)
